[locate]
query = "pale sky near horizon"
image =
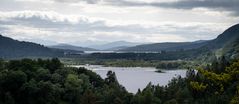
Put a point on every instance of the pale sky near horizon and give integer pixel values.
(86, 22)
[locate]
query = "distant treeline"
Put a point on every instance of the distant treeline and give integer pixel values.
(165, 55)
(172, 64)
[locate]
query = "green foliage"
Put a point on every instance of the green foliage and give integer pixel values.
(49, 82)
(199, 87)
(37, 82)
(235, 99)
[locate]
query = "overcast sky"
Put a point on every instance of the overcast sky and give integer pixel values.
(96, 21)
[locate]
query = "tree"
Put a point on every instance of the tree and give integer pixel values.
(73, 88)
(89, 98)
(235, 99)
(54, 64)
(1, 64)
(111, 77)
(118, 101)
(9, 99)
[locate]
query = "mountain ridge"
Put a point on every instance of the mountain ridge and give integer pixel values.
(72, 47)
(166, 46)
(114, 45)
(227, 43)
(14, 48)
(223, 41)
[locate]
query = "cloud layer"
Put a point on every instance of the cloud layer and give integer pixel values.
(97, 21)
(85, 28)
(217, 5)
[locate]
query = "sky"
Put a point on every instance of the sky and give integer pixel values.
(90, 22)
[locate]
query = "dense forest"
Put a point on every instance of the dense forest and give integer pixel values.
(49, 82)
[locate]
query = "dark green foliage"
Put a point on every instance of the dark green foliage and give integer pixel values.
(111, 78)
(171, 65)
(37, 82)
(211, 86)
(48, 82)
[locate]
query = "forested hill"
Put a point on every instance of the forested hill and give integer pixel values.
(10, 48)
(228, 39)
(169, 46)
(71, 47)
(227, 43)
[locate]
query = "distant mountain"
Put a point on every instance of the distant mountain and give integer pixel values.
(44, 42)
(71, 47)
(200, 41)
(10, 48)
(117, 48)
(114, 45)
(168, 46)
(226, 44)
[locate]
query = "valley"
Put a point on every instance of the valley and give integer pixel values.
(119, 51)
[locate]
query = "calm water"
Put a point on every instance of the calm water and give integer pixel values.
(134, 78)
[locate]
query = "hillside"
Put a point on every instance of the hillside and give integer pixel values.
(226, 44)
(117, 48)
(71, 47)
(10, 48)
(114, 45)
(226, 38)
(169, 46)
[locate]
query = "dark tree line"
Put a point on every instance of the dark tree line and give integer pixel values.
(164, 55)
(49, 82)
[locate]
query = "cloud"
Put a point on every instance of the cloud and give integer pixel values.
(58, 22)
(217, 5)
(42, 25)
(76, 1)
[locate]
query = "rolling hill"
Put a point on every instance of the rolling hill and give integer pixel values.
(227, 44)
(114, 45)
(168, 46)
(10, 48)
(71, 47)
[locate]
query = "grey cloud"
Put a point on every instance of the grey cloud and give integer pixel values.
(218, 5)
(75, 1)
(84, 26)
